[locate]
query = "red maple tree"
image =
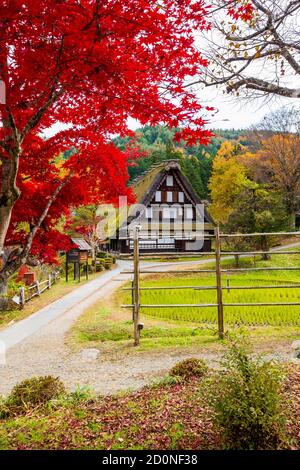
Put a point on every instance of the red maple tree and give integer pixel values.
(91, 64)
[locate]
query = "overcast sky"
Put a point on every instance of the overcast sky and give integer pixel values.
(233, 114)
(229, 114)
(241, 114)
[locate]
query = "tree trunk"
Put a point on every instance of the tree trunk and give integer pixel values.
(292, 216)
(3, 293)
(9, 156)
(237, 261)
(8, 195)
(94, 258)
(264, 243)
(291, 206)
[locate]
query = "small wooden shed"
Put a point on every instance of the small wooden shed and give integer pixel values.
(77, 256)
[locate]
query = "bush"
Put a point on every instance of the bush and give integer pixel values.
(246, 399)
(32, 392)
(167, 381)
(104, 261)
(189, 368)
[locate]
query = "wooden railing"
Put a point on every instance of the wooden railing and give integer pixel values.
(218, 270)
(35, 290)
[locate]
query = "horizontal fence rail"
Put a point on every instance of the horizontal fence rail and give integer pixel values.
(257, 304)
(35, 290)
(174, 254)
(262, 234)
(230, 270)
(219, 272)
(229, 287)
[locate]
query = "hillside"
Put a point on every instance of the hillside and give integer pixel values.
(196, 161)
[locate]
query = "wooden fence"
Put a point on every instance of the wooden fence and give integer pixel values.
(35, 290)
(218, 270)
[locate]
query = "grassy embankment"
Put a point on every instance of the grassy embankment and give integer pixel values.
(58, 290)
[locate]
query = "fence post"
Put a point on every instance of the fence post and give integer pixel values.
(22, 296)
(132, 299)
(49, 281)
(37, 284)
(219, 283)
(136, 295)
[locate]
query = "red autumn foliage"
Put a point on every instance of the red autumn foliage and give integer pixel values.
(241, 10)
(91, 65)
(23, 270)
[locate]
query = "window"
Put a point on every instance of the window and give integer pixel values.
(166, 213)
(173, 213)
(169, 213)
(158, 196)
(169, 196)
(145, 244)
(180, 212)
(165, 243)
(149, 212)
(169, 180)
(189, 213)
(180, 197)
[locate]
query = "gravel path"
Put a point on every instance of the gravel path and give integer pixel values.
(36, 345)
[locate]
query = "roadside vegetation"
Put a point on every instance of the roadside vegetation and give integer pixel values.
(58, 290)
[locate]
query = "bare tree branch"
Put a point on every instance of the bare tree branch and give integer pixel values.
(267, 46)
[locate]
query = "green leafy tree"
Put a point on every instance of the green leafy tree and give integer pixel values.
(84, 222)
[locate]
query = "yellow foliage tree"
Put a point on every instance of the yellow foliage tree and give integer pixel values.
(229, 178)
(277, 163)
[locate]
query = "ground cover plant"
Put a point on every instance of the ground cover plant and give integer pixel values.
(189, 368)
(171, 414)
(31, 393)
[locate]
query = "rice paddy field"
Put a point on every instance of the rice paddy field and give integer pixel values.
(288, 315)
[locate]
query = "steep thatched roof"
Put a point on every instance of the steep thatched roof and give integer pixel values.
(143, 183)
(144, 186)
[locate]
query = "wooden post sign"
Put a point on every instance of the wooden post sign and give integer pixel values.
(73, 256)
(78, 256)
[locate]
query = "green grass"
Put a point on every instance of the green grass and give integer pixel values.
(98, 329)
(234, 315)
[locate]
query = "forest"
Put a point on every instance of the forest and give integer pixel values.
(249, 178)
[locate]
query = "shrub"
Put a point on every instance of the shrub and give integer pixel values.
(108, 263)
(246, 399)
(33, 392)
(189, 368)
(105, 262)
(167, 381)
